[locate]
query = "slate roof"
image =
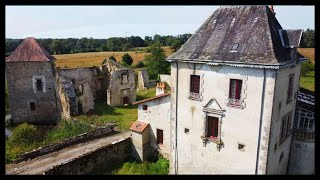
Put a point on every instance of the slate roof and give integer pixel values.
(291, 38)
(254, 28)
(29, 50)
(152, 98)
(139, 126)
(306, 99)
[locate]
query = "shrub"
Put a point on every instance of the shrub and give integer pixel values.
(112, 58)
(306, 67)
(140, 64)
(126, 58)
(24, 134)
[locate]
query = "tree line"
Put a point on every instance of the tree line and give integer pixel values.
(76, 45)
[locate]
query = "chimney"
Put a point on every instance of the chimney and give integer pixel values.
(272, 10)
(160, 89)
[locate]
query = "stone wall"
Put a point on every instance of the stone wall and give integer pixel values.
(114, 153)
(143, 80)
(302, 157)
(109, 129)
(21, 77)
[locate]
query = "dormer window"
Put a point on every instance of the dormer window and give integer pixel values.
(235, 47)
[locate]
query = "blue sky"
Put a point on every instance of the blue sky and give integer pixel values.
(121, 21)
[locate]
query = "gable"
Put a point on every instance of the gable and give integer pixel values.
(213, 107)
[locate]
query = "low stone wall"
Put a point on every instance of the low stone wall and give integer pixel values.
(102, 131)
(114, 153)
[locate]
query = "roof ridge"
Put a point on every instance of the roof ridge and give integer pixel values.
(30, 50)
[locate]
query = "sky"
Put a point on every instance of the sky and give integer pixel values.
(123, 21)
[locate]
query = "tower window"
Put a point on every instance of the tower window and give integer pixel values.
(145, 107)
(32, 106)
(39, 84)
(159, 136)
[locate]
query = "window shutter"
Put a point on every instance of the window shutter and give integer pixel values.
(230, 87)
(238, 89)
(215, 131)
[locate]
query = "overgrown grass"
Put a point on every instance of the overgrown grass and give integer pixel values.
(26, 137)
(308, 81)
(144, 94)
(146, 168)
(131, 167)
(66, 129)
(124, 116)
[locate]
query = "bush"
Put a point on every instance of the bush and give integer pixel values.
(140, 64)
(24, 134)
(306, 67)
(113, 58)
(126, 58)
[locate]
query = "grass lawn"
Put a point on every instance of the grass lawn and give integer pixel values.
(124, 116)
(144, 94)
(308, 81)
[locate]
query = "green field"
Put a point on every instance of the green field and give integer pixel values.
(308, 81)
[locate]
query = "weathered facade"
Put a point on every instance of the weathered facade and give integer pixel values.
(32, 82)
(302, 152)
(233, 95)
(111, 82)
(121, 89)
(80, 87)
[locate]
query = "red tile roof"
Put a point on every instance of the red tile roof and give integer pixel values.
(29, 50)
(152, 98)
(139, 126)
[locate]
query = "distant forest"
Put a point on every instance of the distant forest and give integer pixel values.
(76, 45)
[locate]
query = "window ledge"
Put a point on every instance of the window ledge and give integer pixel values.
(236, 103)
(194, 96)
(214, 140)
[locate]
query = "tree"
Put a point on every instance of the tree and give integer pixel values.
(126, 58)
(56, 46)
(155, 61)
(175, 45)
(112, 58)
(308, 39)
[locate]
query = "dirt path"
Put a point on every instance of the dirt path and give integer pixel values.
(46, 162)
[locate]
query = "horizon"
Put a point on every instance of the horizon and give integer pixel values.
(103, 22)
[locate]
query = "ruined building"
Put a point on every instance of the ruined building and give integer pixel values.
(110, 82)
(40, 93)
(32, 82)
